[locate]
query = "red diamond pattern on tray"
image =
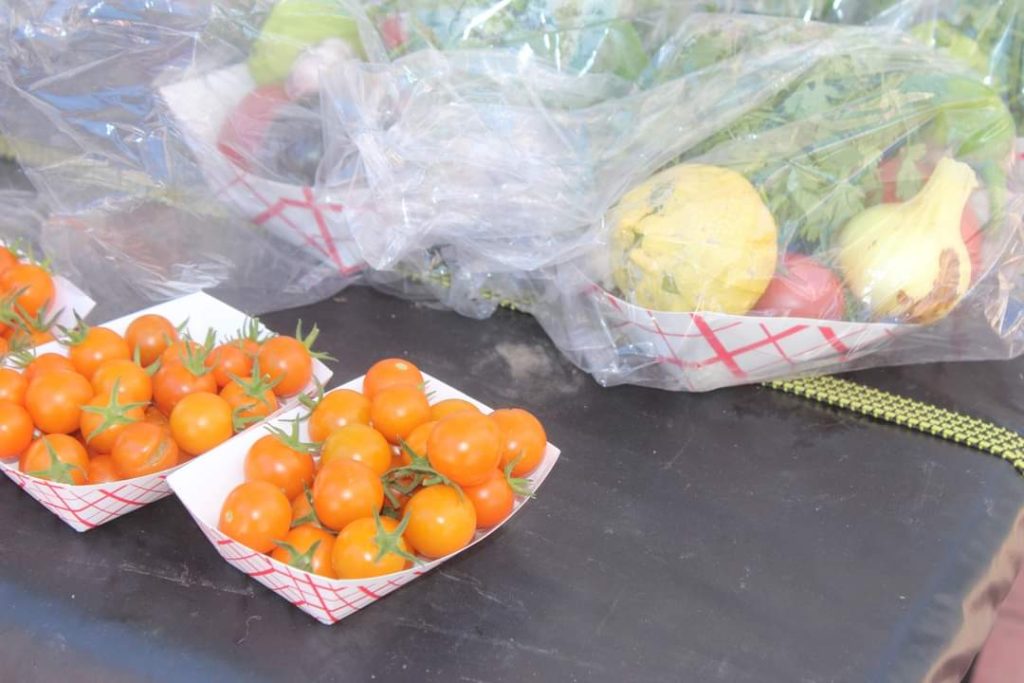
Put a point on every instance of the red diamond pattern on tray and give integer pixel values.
(86, 507)
(702, 351)
(326, 600)
(292, 210)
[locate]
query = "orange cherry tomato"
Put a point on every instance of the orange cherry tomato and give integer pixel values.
(173, 382)
(250, 346)
(34, 284)
(493, 499)
(101, 470)
(388, 373)
(4, 345)
(150, 334)
(302, 509)
(297, 550)
(465, 447)
(101, 429)
(286, 361)
(440, 521)
(345, 491)
(143, 448)
(337, 409)
(246, 405)
(16, 429)
(13, 386)
(134, 385)
(98, 345)
(55, 400)
(47, 362)
(272, 460)
(227, 360)
(450, 406)
(357, 546)
(57, 457)
(7, 259)
(360, 443)
(522, 437)
(154, 416)
(417, 442)
(395, 412)
(256, 514)
(178, 352)
(200, 422)
(90, 451)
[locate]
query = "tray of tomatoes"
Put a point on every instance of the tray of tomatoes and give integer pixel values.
(92, 424)
(338, 502)
(34, 301)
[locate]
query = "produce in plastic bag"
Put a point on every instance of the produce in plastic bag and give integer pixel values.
(620, 220)
(477, 153)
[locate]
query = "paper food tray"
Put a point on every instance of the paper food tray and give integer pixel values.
(204, 484)
(201, 106)
(705, 351)
(88, 506)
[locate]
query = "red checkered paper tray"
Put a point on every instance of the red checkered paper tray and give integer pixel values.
(705, 351)
(201, 107)
(88, 506)
(203, 485)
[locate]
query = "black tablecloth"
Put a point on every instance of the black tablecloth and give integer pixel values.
(743, 535)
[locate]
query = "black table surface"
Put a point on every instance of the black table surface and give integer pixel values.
(742, 535)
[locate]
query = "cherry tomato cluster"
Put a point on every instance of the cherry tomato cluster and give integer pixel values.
(26, 292)
(386, 477)
(124, 406)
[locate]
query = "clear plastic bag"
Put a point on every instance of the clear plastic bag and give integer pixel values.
(690, 229)
(136, 214)
(477, 154)
(987, 36)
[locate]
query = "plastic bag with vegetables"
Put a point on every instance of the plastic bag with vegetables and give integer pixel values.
(534, 153)
(197, 126)
(768, 197)
(142, 123)
(886, 174)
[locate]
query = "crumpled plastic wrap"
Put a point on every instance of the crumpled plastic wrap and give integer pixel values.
(484, 153)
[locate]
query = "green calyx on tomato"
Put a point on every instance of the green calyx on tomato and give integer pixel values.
(193, 358)
(303, 561)
(519, 485)
(251, 331)
(311, 401)
(310, 339)
(389, 542)
(114, 413)
(291, 438)
(12, 313)
(407, 478)
(75, 335)
(58, 471)
(254, 388)
(310, 517)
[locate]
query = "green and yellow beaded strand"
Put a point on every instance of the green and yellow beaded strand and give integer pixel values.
(906, 412)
